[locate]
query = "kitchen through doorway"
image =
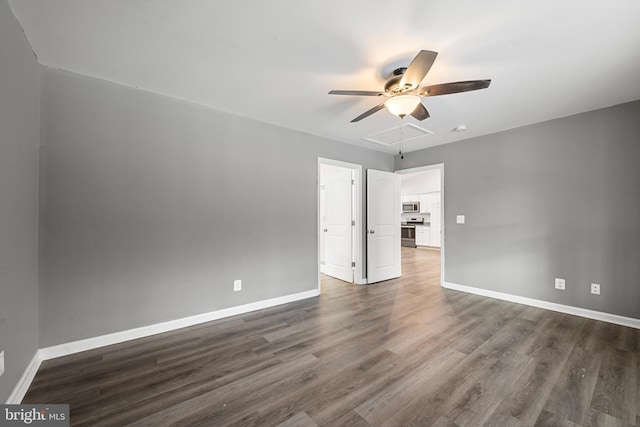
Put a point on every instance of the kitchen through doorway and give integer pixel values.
(422, 193)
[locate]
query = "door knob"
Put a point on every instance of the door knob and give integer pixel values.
(372, 232)
(325, 230)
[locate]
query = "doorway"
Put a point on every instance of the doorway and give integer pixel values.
(339, 221)
(422, 190)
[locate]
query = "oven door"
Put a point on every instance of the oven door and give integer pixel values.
(408, 236)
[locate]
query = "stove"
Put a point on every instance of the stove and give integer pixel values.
(408, 232)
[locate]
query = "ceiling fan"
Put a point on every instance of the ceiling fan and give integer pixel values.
(402, 91)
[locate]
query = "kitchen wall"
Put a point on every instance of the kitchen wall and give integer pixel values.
(19, 134)
(154, 206)
(420, 182)
(553, 199)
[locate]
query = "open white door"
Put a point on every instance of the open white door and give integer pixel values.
(337, 226)
(383, 226)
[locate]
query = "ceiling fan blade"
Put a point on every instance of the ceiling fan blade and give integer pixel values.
(355, 92)
(418, 68)
(420, 112)
(368, 113)
(454, 87)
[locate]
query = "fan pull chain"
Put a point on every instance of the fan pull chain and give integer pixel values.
(401, 142)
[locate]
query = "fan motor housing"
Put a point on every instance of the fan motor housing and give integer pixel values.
(393, 84)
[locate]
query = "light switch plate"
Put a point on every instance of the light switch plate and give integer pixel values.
(459, 219)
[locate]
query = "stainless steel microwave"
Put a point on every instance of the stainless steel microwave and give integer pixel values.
(409, 207)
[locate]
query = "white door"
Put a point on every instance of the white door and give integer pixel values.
(337, 226)
(383, 226)
(323, 215)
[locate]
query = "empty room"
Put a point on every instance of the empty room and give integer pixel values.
(391, 213)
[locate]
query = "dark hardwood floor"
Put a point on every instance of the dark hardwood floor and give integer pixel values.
(399, 353)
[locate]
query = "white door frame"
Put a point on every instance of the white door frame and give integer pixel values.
(439, 166)
(357, 215)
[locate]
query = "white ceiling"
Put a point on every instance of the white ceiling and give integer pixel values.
(276, 60)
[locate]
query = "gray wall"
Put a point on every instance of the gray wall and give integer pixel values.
(554, 199)
(19, 133)
(154, 206)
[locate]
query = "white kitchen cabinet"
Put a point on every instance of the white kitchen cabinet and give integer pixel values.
(434, 236)
(434, 199)
(410, 198)
(423, 235)
(435, 218)
(425, 203)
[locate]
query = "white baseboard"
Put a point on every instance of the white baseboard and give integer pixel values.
(21, 388)
(27, 377)
(145, 331)
(568, 309)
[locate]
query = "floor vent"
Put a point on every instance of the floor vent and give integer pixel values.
(392, 136)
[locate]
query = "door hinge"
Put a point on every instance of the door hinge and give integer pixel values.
(353, 223)
(353, 264)
(353, 182)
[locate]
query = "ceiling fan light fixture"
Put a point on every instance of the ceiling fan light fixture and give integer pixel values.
(402, 105)
(403, 92)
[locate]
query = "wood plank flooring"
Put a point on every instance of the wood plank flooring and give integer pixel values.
(405, 352)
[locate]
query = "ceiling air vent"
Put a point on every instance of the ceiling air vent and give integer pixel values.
(392, 136)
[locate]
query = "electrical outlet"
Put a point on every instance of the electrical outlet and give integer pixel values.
(1, 363)
(460, 219)
(237, 285)
(595, 289)
(560, 284)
